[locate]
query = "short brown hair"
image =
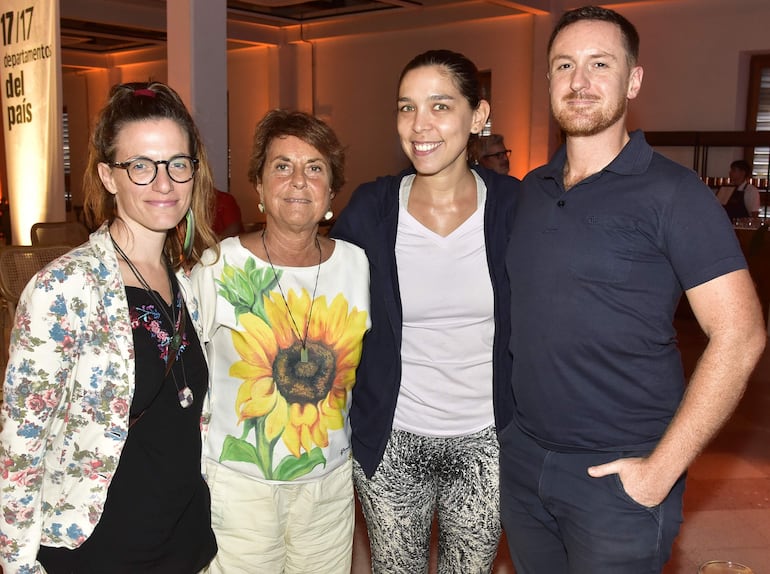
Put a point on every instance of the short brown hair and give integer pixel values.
(597, 13)
(308, 128)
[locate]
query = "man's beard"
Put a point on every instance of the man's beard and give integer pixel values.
(577, 124)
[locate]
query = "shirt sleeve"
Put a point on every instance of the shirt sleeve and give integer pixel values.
(353, 221)
(43, 339)
(700, 241)
(205, 291)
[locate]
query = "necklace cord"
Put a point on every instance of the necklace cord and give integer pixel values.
(303, 340)
(178, 327)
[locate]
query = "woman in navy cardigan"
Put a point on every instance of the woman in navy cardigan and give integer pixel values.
(433, 385)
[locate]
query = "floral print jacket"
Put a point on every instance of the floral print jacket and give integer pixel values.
(68, 388)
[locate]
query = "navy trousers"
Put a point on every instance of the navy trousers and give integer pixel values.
(559, 520)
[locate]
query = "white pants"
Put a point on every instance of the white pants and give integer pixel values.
(291, 528)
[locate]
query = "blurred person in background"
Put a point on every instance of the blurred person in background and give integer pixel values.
(490, 151)
(227, 221)
(740, 198)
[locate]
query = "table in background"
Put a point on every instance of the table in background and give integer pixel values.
(755, 243)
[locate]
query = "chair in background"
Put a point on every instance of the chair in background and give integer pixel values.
(18, 264)
(71, 233)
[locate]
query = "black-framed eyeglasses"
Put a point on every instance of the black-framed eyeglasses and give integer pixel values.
(501, 155)
(143, 170)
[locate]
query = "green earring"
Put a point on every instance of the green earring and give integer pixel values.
(189, 234)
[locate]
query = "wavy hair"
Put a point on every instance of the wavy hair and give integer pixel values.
(137, 102)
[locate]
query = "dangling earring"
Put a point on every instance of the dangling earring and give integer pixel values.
(261, 207)
(189, 234)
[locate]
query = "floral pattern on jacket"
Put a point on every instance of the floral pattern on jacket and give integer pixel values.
(67, 392)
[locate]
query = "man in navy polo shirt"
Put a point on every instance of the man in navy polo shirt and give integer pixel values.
(606, 238)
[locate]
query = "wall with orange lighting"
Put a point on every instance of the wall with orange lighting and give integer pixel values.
(249, 96)
(695, 55)
(356, 81)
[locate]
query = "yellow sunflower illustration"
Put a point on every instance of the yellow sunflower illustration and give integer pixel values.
(298, 401)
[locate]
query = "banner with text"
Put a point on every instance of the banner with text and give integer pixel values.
(32, 112)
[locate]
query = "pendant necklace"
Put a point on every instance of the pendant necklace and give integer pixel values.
(184, 394)
(303, 351)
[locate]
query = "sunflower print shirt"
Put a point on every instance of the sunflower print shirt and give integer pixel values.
(274, 416)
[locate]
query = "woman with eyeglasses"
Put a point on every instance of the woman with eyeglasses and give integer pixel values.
(433, 386)
(101, 426)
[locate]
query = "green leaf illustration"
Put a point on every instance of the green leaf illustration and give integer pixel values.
(292, 467)
(238, 450)
(244, 288)
(241, 450)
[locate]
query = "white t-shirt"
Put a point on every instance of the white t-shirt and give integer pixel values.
(448, 325)
(273, 416)
(750, 196)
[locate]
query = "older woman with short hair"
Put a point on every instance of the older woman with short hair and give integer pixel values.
(284, 310)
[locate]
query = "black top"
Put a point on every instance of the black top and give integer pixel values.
(157, 514)
(736, 206)
(596, 275)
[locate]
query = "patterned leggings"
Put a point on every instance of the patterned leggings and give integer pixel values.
(457, 477)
